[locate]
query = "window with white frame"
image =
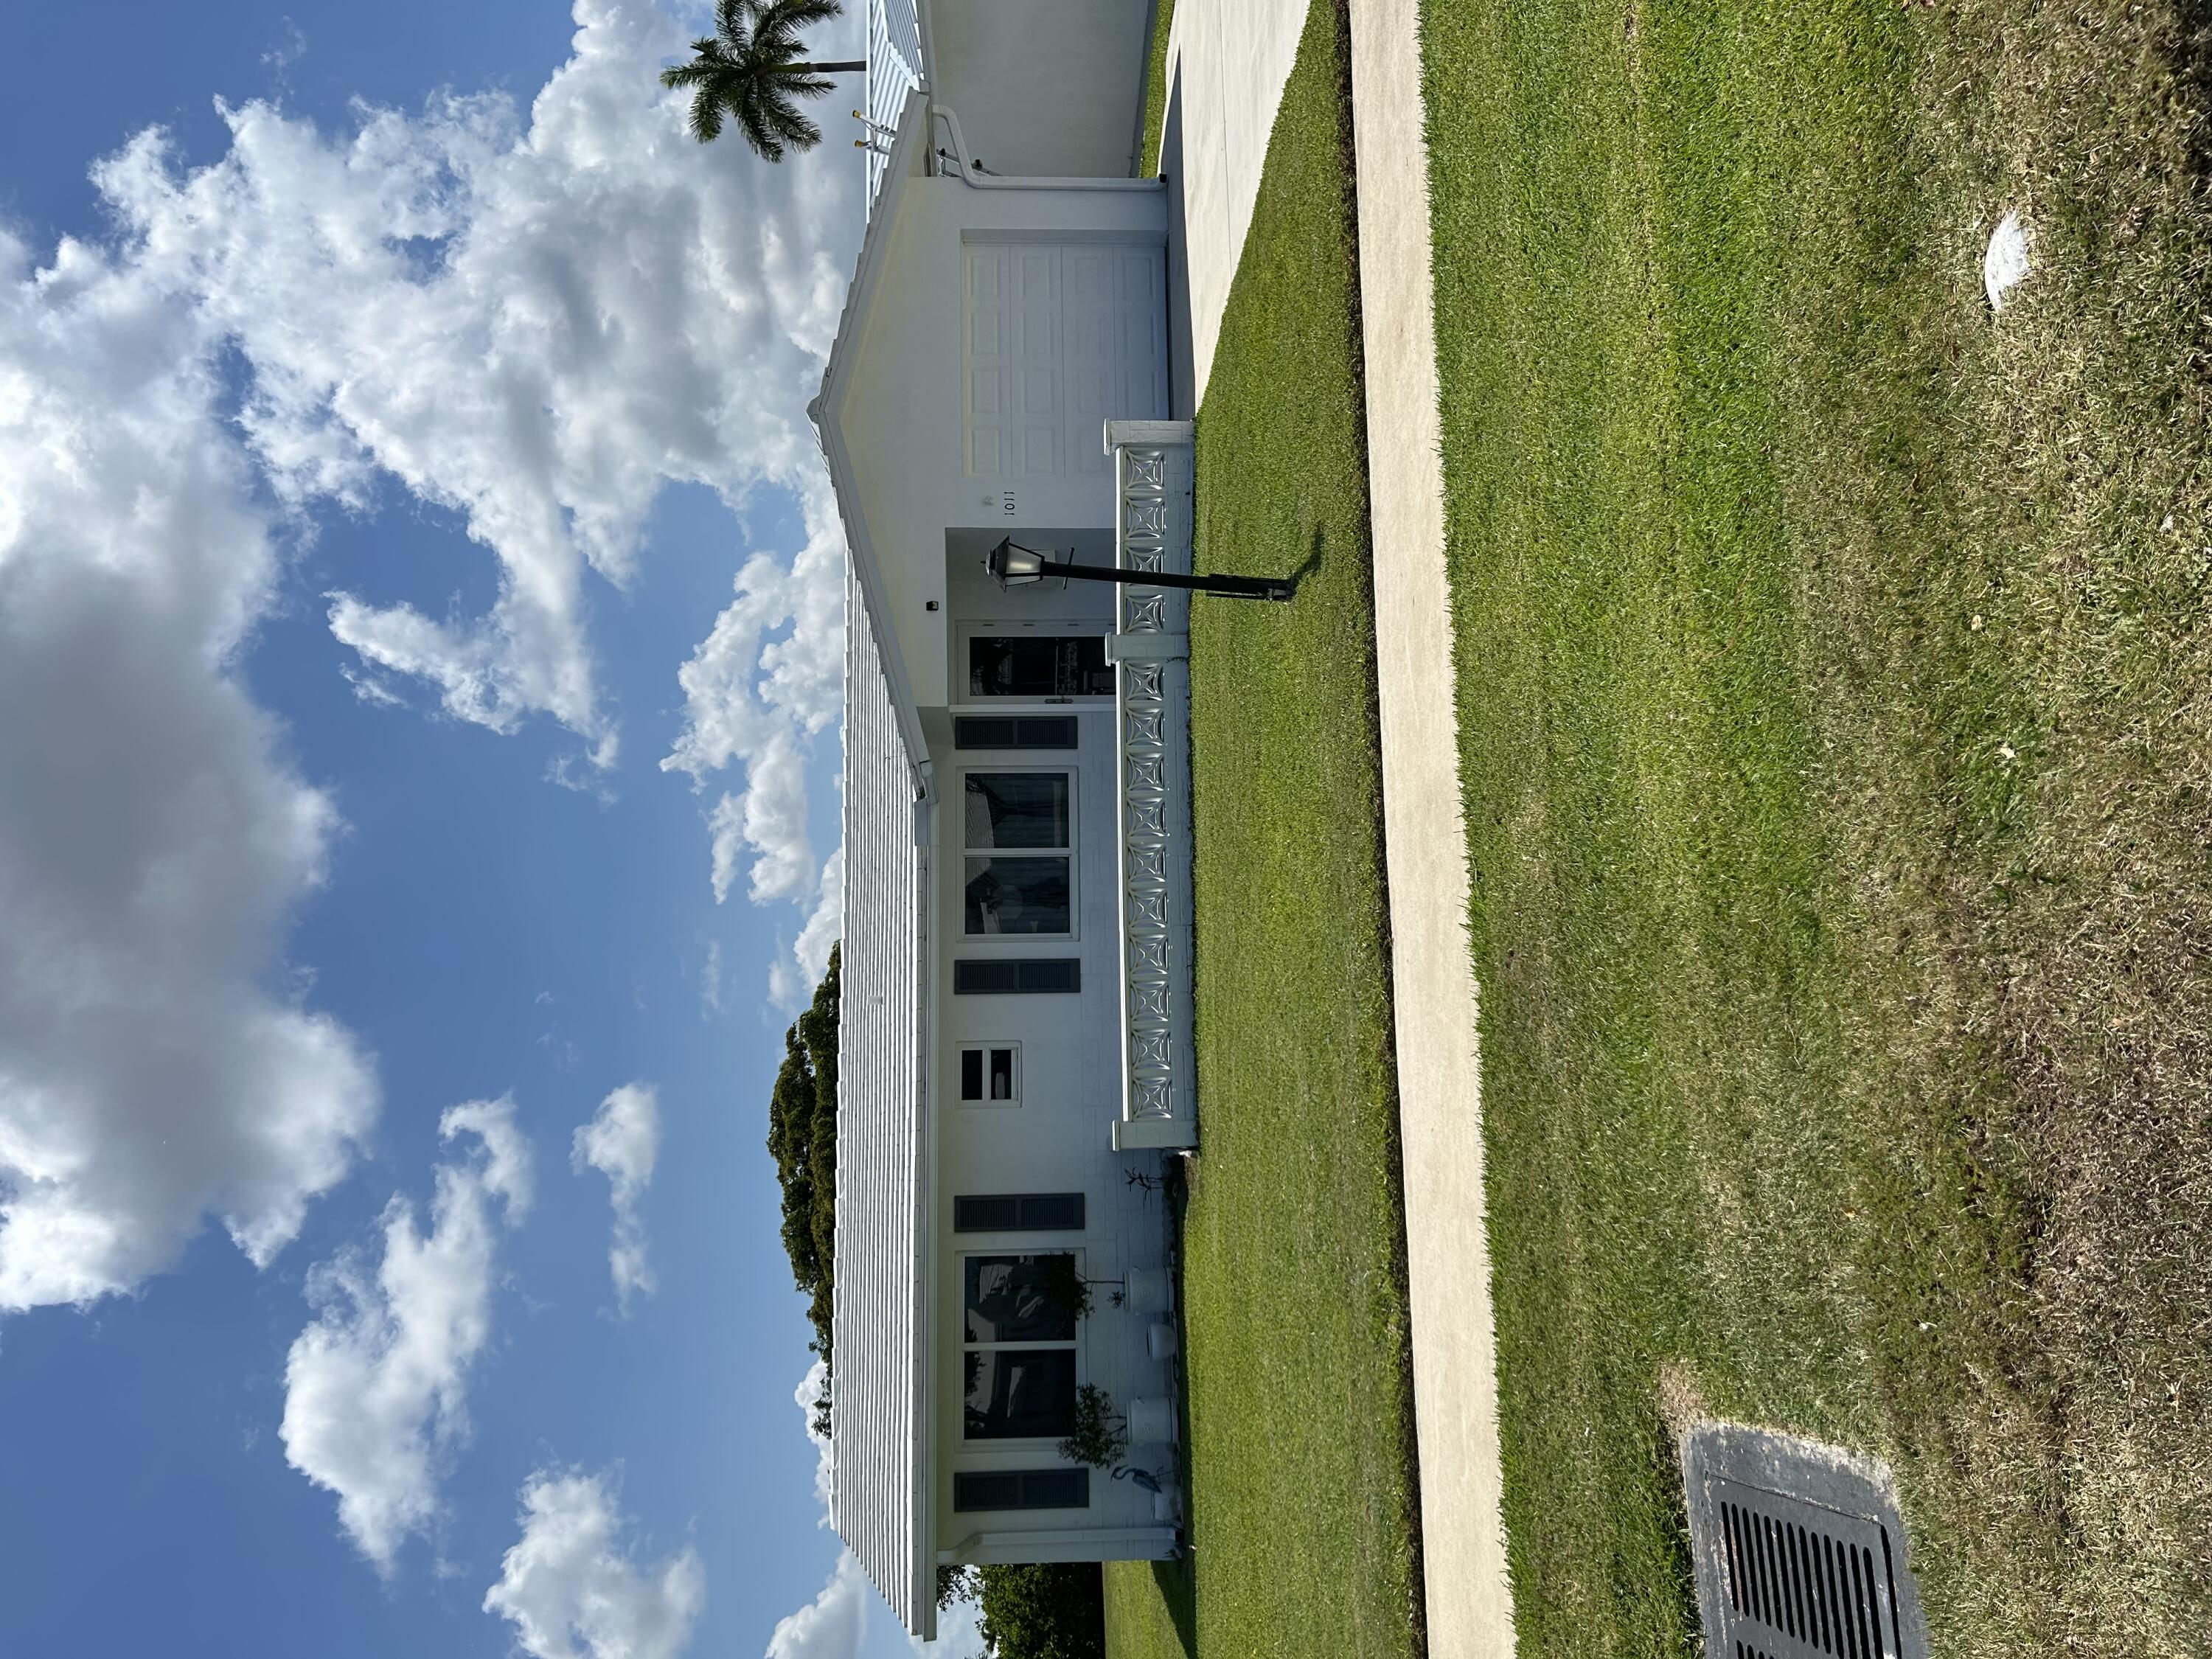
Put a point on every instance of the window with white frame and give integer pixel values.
(1019, 1341)
(1020, 846)
(991, 1074)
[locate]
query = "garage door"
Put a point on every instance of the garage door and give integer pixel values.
(1060, 337)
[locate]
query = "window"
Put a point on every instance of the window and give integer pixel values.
(1039, 665)
(1027, 814)
(1017, 731)
(991, 1075)
(1017, 1212)
(1017, 976)
(1019, 1337)
(1023, 1489)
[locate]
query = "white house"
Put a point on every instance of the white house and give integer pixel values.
(1016, 1030)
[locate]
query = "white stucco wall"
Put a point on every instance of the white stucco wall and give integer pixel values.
(1058, 1140)
(1046, 89)
(901, 408)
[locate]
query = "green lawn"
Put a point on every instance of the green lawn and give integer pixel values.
(1300, 1429)
(1836, 705)
(1156, 90)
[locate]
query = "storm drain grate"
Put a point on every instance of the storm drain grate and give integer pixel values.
(1799, 1551)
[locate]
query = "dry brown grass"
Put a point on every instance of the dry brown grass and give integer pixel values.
(2022, 794)
(1839, 699)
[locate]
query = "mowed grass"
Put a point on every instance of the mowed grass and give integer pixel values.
(1300, 1427)
(1836, 704)
(1155, 90)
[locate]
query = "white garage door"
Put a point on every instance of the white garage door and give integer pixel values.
(1061, 338)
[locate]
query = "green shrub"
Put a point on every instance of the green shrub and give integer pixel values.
(1056, 1610)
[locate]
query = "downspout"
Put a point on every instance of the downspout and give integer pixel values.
(976, 180)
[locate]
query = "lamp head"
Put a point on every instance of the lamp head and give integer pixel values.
(1014, 567)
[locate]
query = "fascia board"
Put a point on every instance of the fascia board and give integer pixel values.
(827, 406)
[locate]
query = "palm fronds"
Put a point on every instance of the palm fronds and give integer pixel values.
(752, 71)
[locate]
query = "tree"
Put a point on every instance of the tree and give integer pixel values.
(1057, 1611)
(802, 1138)
(751, 69)
(1053, 1611)
(956, 1584)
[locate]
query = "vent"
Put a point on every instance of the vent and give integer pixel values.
(1799, 1551)
(1015, 976)
(1017, 1212)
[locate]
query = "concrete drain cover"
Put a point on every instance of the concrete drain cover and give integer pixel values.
(1799, 1551)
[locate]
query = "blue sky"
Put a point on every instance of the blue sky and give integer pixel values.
(395, 470)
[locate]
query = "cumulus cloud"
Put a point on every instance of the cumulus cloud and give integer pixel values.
(959, 1633)
(622, 1142)
(828, 1626)
(808, 1396)
(532, 319)
(153, 839)
(375, 1389)
(831, 1625)
(810, 952)
(538, 320)
(572, 1589)
(763, 685)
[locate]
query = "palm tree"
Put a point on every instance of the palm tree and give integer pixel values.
(750, 69)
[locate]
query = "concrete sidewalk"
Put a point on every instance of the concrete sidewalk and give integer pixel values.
(1227, 62)
(1470, 1601)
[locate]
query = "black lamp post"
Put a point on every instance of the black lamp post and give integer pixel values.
(1011, 566)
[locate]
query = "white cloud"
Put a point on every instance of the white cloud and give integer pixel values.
(507, 1172)
(828, 1626)
(153, 839)
(375, 1388)
(959, 1633)
(532, 319)
(710, 980)
(759, 689)
(792, 980)
(622, 1142)
(808, 1397)
(831, 1625)
(827, 922)
(536, 320)
(571, 1580)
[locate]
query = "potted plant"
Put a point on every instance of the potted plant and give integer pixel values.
(1099, 1435)
(1063, 1286)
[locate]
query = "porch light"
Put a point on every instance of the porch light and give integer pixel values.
(1014, 567)
(1011, 566)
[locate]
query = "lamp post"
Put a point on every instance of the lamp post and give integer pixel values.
(1013, 566)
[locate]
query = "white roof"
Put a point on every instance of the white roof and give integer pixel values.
(880, 1500)
(878, 1432)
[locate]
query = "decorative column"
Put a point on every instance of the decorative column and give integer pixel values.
(1150, 649)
